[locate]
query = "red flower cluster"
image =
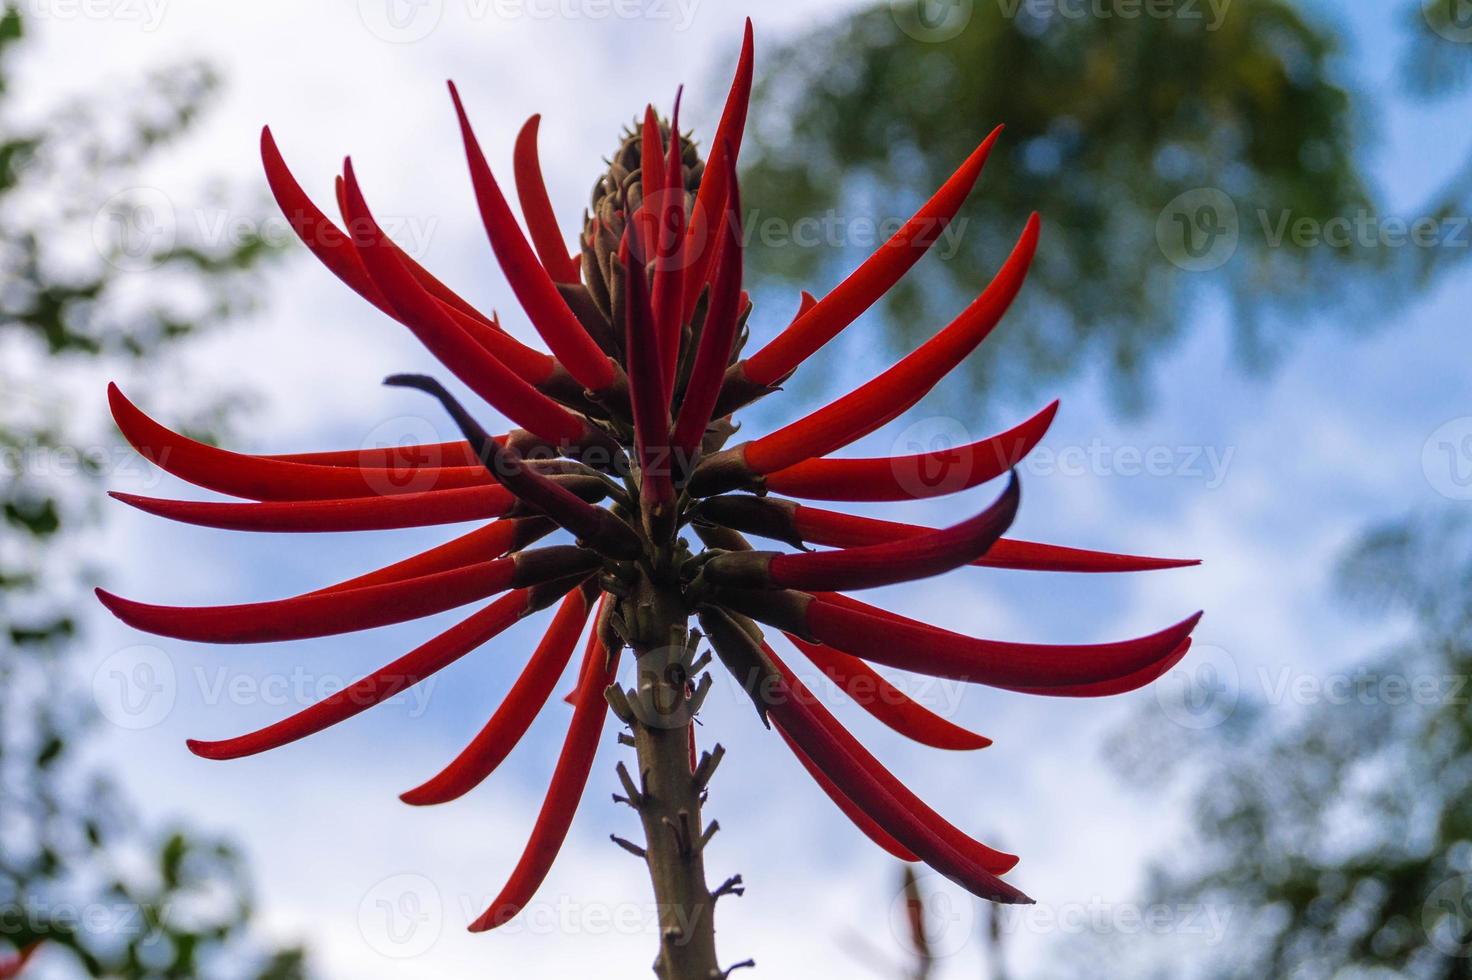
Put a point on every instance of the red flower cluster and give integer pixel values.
(622, 437)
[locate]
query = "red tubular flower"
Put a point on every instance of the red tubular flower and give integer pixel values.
(716, 337)
(881, 400)
(511, 720)
(534, 288)
(391, 457)
(669, 258)
(481, 370)
(801, 525)
(884, 701)
(329, 613)
(855, 813)
(568, 781)
(648, 395)
(710, 200)
(929, 474)
(871, 280)
(594, 525)
(864, 781)
(486, 543)
(379, 686)
(868, 566)
(536, 206)
(858, 628)
(356, 514)
(646, 361)
(853, 771)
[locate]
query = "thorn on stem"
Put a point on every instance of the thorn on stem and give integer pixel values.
(707, 765)
(731, 886)
(681, 833)
(698, 698)
(629, 846)
(636, 793)
(619, 702)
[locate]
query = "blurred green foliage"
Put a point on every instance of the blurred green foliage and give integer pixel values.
(1110, 119)
(106, 896)
(1334, 835)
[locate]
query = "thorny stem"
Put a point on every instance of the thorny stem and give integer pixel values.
(664, 790)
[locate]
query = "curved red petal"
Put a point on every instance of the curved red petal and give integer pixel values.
(534, 288)
(431, 284)
(325, 240)
(888, 801)
(667, 297)
(887, 396)
(710, 199)
(856, 814)
(871, 280)
(433, 454)
(306, 616)
(536, 206)
(891, 706)
(417, 665)
(646, 379)
(717, 336)
(1118, 685)
(923, 475)
(884, 637)
(264, 478)
(514, 715)
(483, 544)
(868, 566)
(446, 338)
(569, 779)
(827, 527)
(350, 514)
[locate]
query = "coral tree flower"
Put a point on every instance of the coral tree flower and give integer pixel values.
(624, 438)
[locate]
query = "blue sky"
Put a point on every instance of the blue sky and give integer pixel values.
(1306, 456)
